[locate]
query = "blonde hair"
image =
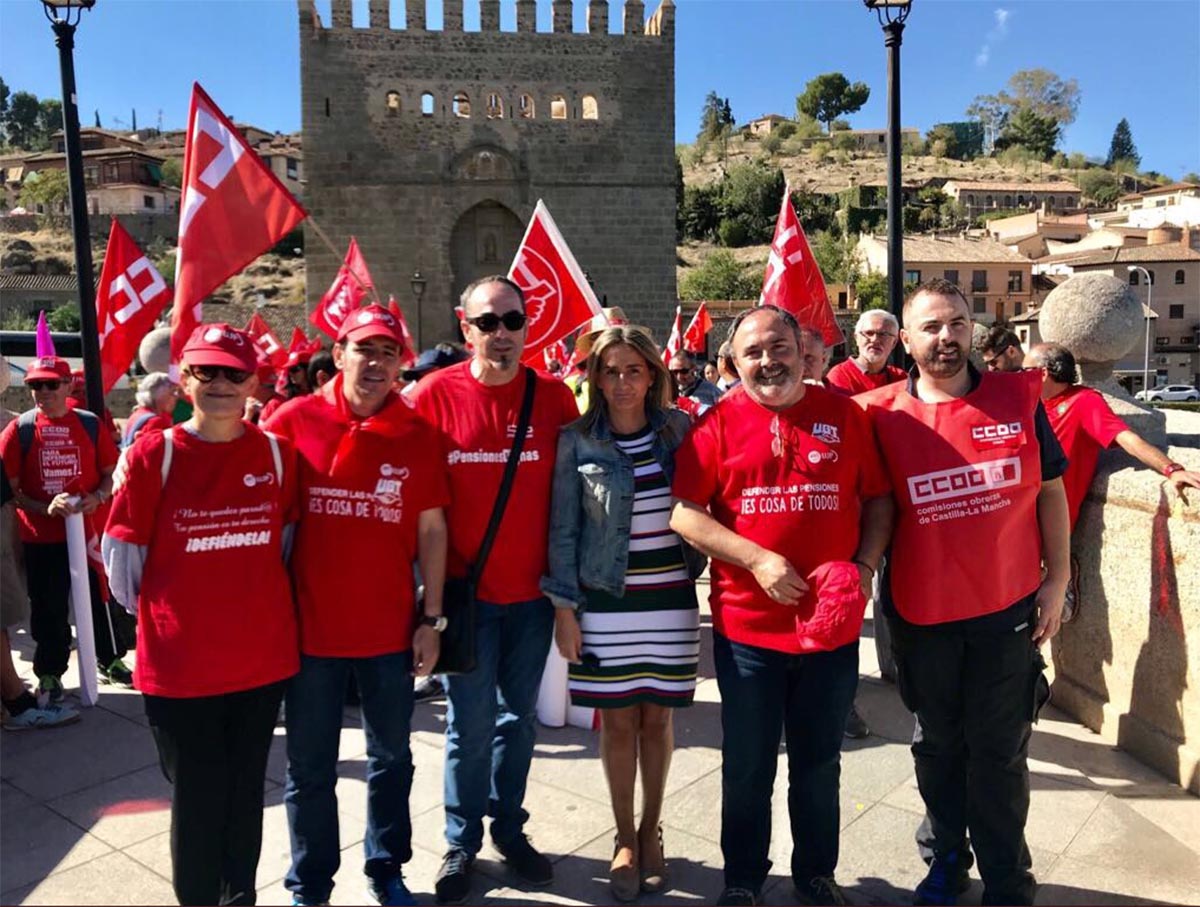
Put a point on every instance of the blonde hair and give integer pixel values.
(658, 396)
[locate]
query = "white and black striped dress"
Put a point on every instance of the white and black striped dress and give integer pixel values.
(646, 644)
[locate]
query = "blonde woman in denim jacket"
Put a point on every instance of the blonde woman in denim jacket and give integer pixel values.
(623, 585)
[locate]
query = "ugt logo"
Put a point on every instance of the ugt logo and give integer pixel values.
(389, 489)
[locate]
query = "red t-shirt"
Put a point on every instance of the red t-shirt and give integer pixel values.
(271, 407)
(143, 420)
(61, 458)
(850, 377)
(363, 483)
(1084, 426)
(799, 497)
(215, 612)
(477, 422)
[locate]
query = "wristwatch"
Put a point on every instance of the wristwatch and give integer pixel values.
(439, 623)
(1173, 468)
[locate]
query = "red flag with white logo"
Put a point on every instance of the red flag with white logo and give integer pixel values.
(558, 297)
(675, 341)
(349, 288)
(697, 330)
(129, 299)
(266, 341)
(233, 209)
(793, 280)
(408, 356)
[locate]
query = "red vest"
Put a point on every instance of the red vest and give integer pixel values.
(966, 475)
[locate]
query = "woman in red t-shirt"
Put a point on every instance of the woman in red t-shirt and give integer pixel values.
(196, 541)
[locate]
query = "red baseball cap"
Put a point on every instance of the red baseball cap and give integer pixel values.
(48, 368)
(220, 344)
(370, 321)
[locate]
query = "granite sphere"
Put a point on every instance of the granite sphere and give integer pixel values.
(1096, 316)
(154, 352)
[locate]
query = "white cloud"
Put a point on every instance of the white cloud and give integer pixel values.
(998, 33)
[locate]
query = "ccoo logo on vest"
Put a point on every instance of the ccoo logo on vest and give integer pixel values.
(964, 480)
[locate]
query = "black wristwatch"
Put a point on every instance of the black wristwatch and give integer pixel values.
(438, 623)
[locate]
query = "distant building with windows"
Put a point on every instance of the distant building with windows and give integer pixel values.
(978, 197)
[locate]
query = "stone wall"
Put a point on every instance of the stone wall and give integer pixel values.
(1128, 666)
(402, 180)
(144, 228)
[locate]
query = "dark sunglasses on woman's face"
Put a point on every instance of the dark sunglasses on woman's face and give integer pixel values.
(44, 385)
(488, 322)
(206, 374)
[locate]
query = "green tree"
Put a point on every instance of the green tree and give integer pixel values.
(872, 291)
(1043, 92)
(1191, 177)
(1121, 148)
(1033, 131)
(716, 117)
(172, 172)
(835, 256)
(750, 194)
(48, 188)
(49, 120)
(4, 94)
(830, 95)
(1101, 186)
(65, 318)
(21, 120)
(700, 212)
(720, 276)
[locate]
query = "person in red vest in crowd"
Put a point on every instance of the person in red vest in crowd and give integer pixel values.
(876, 334)
(60, 461)
(156, 396)
(782, 486)
(196, 544)
(977, 476)
(1085, 425)
(490, 729)
(372, 491)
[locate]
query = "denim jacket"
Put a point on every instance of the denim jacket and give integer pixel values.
(592, 508)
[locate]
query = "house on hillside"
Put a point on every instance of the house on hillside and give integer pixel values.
(766, 124)
(997, 281)
(119, 179)
(875, 140)
(283, 153)
(1177, 204)
(980, 196)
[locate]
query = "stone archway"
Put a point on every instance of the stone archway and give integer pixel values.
(483, 241)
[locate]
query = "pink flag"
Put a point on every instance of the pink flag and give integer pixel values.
(45, 343)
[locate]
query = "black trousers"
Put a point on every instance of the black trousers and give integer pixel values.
(48, 573)
(213, 750)
(975, 686)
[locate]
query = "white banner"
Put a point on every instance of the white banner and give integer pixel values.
(81, 603)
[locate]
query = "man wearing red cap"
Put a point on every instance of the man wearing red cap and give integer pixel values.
(59, 461)
(294, 381)
(196, 543)
(373, 489)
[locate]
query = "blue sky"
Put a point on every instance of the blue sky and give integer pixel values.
(1134, 58)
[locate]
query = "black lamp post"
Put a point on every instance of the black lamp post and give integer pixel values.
(892, 14)
(64, 16)
(418, 291)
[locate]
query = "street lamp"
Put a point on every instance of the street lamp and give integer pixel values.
(1149, 298)
(418, 290)
(64, 16)
(892, 14)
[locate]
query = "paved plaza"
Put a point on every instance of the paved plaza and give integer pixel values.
(85, 813)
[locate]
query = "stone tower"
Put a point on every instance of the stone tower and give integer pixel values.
(433, 147)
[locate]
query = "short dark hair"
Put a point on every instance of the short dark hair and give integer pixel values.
(491, 278)
(321, 361)
(783, 314)
(937, 286)
(998, 339)
(1057, 360)
(686, 355)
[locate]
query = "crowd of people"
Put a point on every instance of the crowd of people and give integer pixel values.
(346, 501)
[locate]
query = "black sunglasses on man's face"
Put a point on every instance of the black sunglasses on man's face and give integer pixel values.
(489, 322)
(44, 385)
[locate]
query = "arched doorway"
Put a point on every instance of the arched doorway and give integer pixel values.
(483, 241)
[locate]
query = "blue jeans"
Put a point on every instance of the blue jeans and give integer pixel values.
(808, 697)
(315, 701)
(490, 723)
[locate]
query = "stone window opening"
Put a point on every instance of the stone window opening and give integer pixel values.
(461, 105)
(971, 200)
(558, 107)
(1134, 278)
(988, 202)
(393, 103)
(1020, 201)
(591, 110)
(495, 106)
(525, 107)
(327, 107)
(427, 104)
(1008, 201)
(1151, 278)
(1180, 278)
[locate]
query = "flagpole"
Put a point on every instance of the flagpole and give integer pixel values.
(332, 248)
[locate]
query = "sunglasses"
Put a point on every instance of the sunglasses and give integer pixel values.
(488, 322)
(43, 385)
(680, 371)
(292, 369)
(206, 374)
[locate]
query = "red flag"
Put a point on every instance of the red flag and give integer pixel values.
(131, 296)
(233, 209)
(792, 279)
(349, 288)
(675, 341)
(697, 330)
(408, 356)
(557, 296)
(266, 341)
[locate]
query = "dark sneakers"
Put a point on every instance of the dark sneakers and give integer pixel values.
(946, 880)
(856, 728)
(820, 890)
(525, 861)
(453, 882)
(737, 897)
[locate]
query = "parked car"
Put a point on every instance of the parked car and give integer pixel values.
(1170, 392)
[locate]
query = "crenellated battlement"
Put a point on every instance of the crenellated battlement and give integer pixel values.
(633, 17)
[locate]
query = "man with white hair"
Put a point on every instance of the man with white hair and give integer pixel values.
(875, 334)
(156, 396)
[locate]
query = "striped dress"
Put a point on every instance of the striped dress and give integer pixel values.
(644, 646)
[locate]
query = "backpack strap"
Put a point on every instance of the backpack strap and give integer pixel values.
(133, 428)
(91, 423)
(276, 456)
(168, 453)
(26, 427)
